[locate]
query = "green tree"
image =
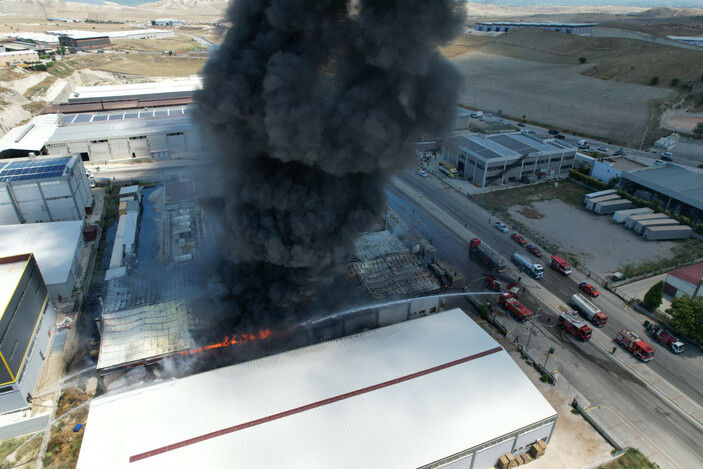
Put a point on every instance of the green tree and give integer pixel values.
(582, 60)
(653, 298)
(654, 81)
(698, 131)
(675, 82)
(687, 316)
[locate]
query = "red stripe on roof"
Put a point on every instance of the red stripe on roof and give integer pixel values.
(314, 405)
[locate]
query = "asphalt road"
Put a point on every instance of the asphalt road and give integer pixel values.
(585, 365)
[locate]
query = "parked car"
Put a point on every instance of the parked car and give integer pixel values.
(554, 131)
(589, 289)
(667, 156)
(602, 148)
(560, 136)
(520, 124)
(501, 226)
(533, 250)
(422, 173)
(518, 239)
(531, 131)
(619, 152)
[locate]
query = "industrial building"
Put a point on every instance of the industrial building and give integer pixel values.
(29, 139)
(85, 41)
(158, 133)
(678, 190)
(57, 247)
(488, 160)
(692, 40)
(685, 281)
(145, 319)
(167, 89)
(581, 29)
(18, 57)
(26, 321)
(452, 398)
(385, 268)
(43, 189)
(116, 35)
(168, 22)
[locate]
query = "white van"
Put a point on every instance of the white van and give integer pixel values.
(581, 143)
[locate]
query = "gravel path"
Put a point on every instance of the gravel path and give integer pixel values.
(599, 243)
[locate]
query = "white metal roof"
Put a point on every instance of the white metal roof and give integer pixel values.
(120, 128)
(82, 34)
(31, 136)
(53, 244)
(400, 396)
(189, 84)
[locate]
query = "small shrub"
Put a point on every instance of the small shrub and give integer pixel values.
(582, 60)
(675, 82)
(654, 81)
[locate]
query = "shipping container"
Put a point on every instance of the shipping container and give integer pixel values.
(668, 232)
(633, 219)
(621, 215)
(642, 225)
(611, 206)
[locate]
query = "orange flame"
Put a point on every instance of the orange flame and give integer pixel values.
(234, 339)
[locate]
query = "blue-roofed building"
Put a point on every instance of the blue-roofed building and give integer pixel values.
(43, 190)
(488, 160)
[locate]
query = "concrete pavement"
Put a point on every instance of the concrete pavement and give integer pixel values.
(621, 429)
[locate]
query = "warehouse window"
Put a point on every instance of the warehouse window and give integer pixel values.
(173, 134)
(139, 137)
(99, 141)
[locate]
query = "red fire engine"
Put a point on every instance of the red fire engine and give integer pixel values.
(636, 346)
(574, 325)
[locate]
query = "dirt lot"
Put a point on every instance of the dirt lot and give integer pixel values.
(683, 122)
(544, 92)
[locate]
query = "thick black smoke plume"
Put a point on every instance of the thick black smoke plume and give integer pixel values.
(312, 104)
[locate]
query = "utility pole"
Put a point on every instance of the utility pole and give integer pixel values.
(643, 136)
(532, 328)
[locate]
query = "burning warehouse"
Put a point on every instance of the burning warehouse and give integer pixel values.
(421, 393)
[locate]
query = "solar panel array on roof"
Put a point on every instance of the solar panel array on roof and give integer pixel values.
(35, 169)
(513, 144)
(117, 115)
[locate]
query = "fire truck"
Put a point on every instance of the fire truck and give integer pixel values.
(665, 338)
(516, 309)
(574, 325)
(487, 255)
(560, 265)
(636, 346)
(501, 282)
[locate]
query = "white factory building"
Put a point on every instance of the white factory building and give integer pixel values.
(431, 392)
(43, 189)
(488, 160)
(150, 90)
(18, 57)
(27, 317)
(159, 133)
(582, 29)
(57, 247)
(116, 35)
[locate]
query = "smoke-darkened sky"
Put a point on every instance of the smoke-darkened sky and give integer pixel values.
(312, 105)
